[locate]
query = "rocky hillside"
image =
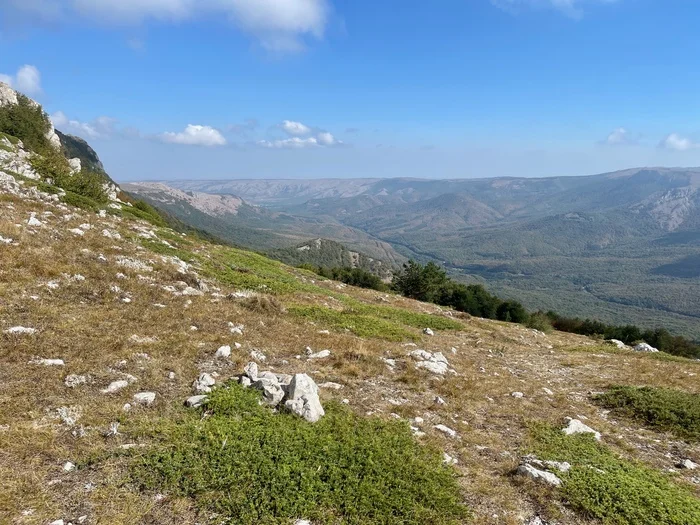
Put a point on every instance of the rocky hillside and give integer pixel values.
(148, 376)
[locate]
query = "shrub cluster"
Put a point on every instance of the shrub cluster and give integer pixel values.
(352, 276)
(251, 465)
(660, 408)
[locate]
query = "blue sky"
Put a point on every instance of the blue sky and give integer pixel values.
(356, 88)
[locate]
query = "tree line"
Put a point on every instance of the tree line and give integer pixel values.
(430, 283)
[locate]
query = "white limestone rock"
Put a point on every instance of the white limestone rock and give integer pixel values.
(203, 384)
(644, 347)
(575, 426)
(223, 352)
(195, 401)
(538, 475)
(272, 392)
(116, 386)
(20, 330)
(145, 398)
(446, 430)
(302, 398)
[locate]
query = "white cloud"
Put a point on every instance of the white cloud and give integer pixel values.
(301, 136)
(291, 143)
(326, 139)
(677, 142)
(295, 129)
(195, 135)
(571, 8)
(279, 25)
(27, 80)
(620, 137)
(100, 128)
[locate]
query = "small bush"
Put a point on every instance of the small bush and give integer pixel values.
(86, 183)
(660, 408)
(264, 304)
(86, 203)
(253, 466)
(27, 122)
(540, 321)
(605, 487)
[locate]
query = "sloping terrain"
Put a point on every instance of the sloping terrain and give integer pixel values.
(116, 299)
(612, 247)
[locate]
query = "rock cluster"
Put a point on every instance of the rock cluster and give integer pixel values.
(435, 363)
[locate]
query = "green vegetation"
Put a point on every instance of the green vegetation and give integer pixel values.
(431, 283)
(352, 276)
(383, 322)
(27, 122)
(659, 408)
(614, 490)
(253, 466)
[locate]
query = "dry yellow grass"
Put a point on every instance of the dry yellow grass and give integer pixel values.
(88, 325)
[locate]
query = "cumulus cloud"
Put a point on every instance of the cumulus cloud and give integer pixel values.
(27, 80)
(295, 129)
(676, 142)
(279, 25)
(571, 8)
(195, 135)
(620, 137)
(290, 143)
(299, 136)
(99, 128)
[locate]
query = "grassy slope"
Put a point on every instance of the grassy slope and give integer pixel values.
(86, 323)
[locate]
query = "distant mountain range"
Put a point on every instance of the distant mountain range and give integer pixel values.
(620, 247)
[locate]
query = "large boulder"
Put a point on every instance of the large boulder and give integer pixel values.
(302, 398)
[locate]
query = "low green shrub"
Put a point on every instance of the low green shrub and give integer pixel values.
(540, 321)
(659, 408)
(251, 465)
(603, 486)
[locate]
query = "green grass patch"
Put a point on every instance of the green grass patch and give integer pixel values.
(252, 271)
(407, 317)
(163, 249)
(251, 465)
(13, 140)
(362, 325)
(659, 408)
(616, 491)
(80, 201)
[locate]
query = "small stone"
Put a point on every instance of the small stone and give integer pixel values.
(145, 398)
(449, 460)
(127, 407)
(68, 467)
(548, 391)
(203, 384)
(446, 430)
(428, 331)
(195, 401)
(440, 401)
(271, 390)
(575, 426)
(47, 362)
(320, 355)
(171, 375)
(34, 222)
(223, 352)
(687, 464)
(538, 475)
(518, 395)
(77, 231)
(330, 385)
(116, 386)
(258, 356)
(251, 370)
(74, 380)
(20, 330)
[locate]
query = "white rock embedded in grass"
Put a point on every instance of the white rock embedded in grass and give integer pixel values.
(575, 426)
(644, 347)
(271, 390)
(446, 430)
(251, 370)
(20, 330)
(68, 467)
(34, 222)
(687, 464)
(223, 352)
(5, 240)
(74, 380)
(258, 356)
(517, 395)
(77, 231)
(449, 460)
(435, 363)
(195, 401)
(145, 398)
(615, 342)
(428, 331)
(203, 384)
(320, 355)
(538, 475)
(302, 398)
(116, 386)
(331, 386)
(47, 362)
